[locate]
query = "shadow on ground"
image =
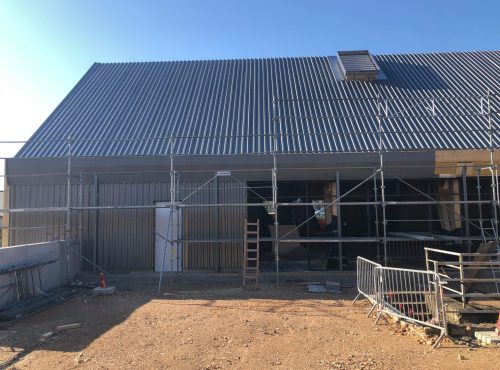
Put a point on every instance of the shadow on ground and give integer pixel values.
(97, 315)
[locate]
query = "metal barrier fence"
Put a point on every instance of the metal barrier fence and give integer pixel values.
(412, 295)
(365, 282)
(467, 275)
(404, 250)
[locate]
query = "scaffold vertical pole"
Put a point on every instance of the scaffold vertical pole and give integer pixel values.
(96, 220)
(479, 204)
(216, 211)
(68, 192)
(178, 236)
(339, 218)
(80, 214)
(377, 226)
(173, 237)
(275, 193)
(68, 208)
(381, 169)
(466, 207)
(493, 170)
(276, 221)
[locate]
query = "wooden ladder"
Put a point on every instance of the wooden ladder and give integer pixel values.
(251, 253)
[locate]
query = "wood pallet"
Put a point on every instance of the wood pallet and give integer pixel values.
(251, 253)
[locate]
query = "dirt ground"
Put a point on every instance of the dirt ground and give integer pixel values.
(206, 321)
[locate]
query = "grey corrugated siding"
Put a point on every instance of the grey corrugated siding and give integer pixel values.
(125, 240)
(227, 106)
(36, 227)
(215, 223)
(38, 196)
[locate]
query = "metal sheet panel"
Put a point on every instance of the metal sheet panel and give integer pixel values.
(37, 227)
(224, 107)
(125, 240)
(204, 223)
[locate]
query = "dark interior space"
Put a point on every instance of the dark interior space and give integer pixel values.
(413, 221)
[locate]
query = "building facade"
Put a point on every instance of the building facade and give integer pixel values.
(279, 139)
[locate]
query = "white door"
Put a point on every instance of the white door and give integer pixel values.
(169, 224)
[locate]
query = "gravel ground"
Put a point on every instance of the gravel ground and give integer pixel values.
(205, 321)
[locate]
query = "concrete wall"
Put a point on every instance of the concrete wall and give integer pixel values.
(52, 275)
(4, 241)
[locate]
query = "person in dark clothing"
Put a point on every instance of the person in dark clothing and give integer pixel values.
(332, 226)
(305, 217)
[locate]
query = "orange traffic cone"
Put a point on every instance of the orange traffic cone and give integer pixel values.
(102, 282)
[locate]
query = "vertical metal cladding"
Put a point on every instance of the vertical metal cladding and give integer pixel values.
(36, 227)
(125, 240)
(212, 223)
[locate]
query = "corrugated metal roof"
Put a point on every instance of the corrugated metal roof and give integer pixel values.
(226, 107)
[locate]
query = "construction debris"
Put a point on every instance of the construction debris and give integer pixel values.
(487, 337)
(38, 304)
(82, 284)
(68, 326)
(327, 287)
(46, 336)
(80, 360)
(104, 291)
(26, 281)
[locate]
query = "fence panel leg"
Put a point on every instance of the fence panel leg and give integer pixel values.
(355, 299)
(371, 310)
(440, 338)
(378, 317)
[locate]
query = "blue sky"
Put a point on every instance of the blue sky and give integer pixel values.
(48, 45)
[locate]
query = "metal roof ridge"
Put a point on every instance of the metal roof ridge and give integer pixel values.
(430, 53)
(448, 52)
(215, 60)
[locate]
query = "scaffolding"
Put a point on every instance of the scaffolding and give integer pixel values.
(428, 107)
